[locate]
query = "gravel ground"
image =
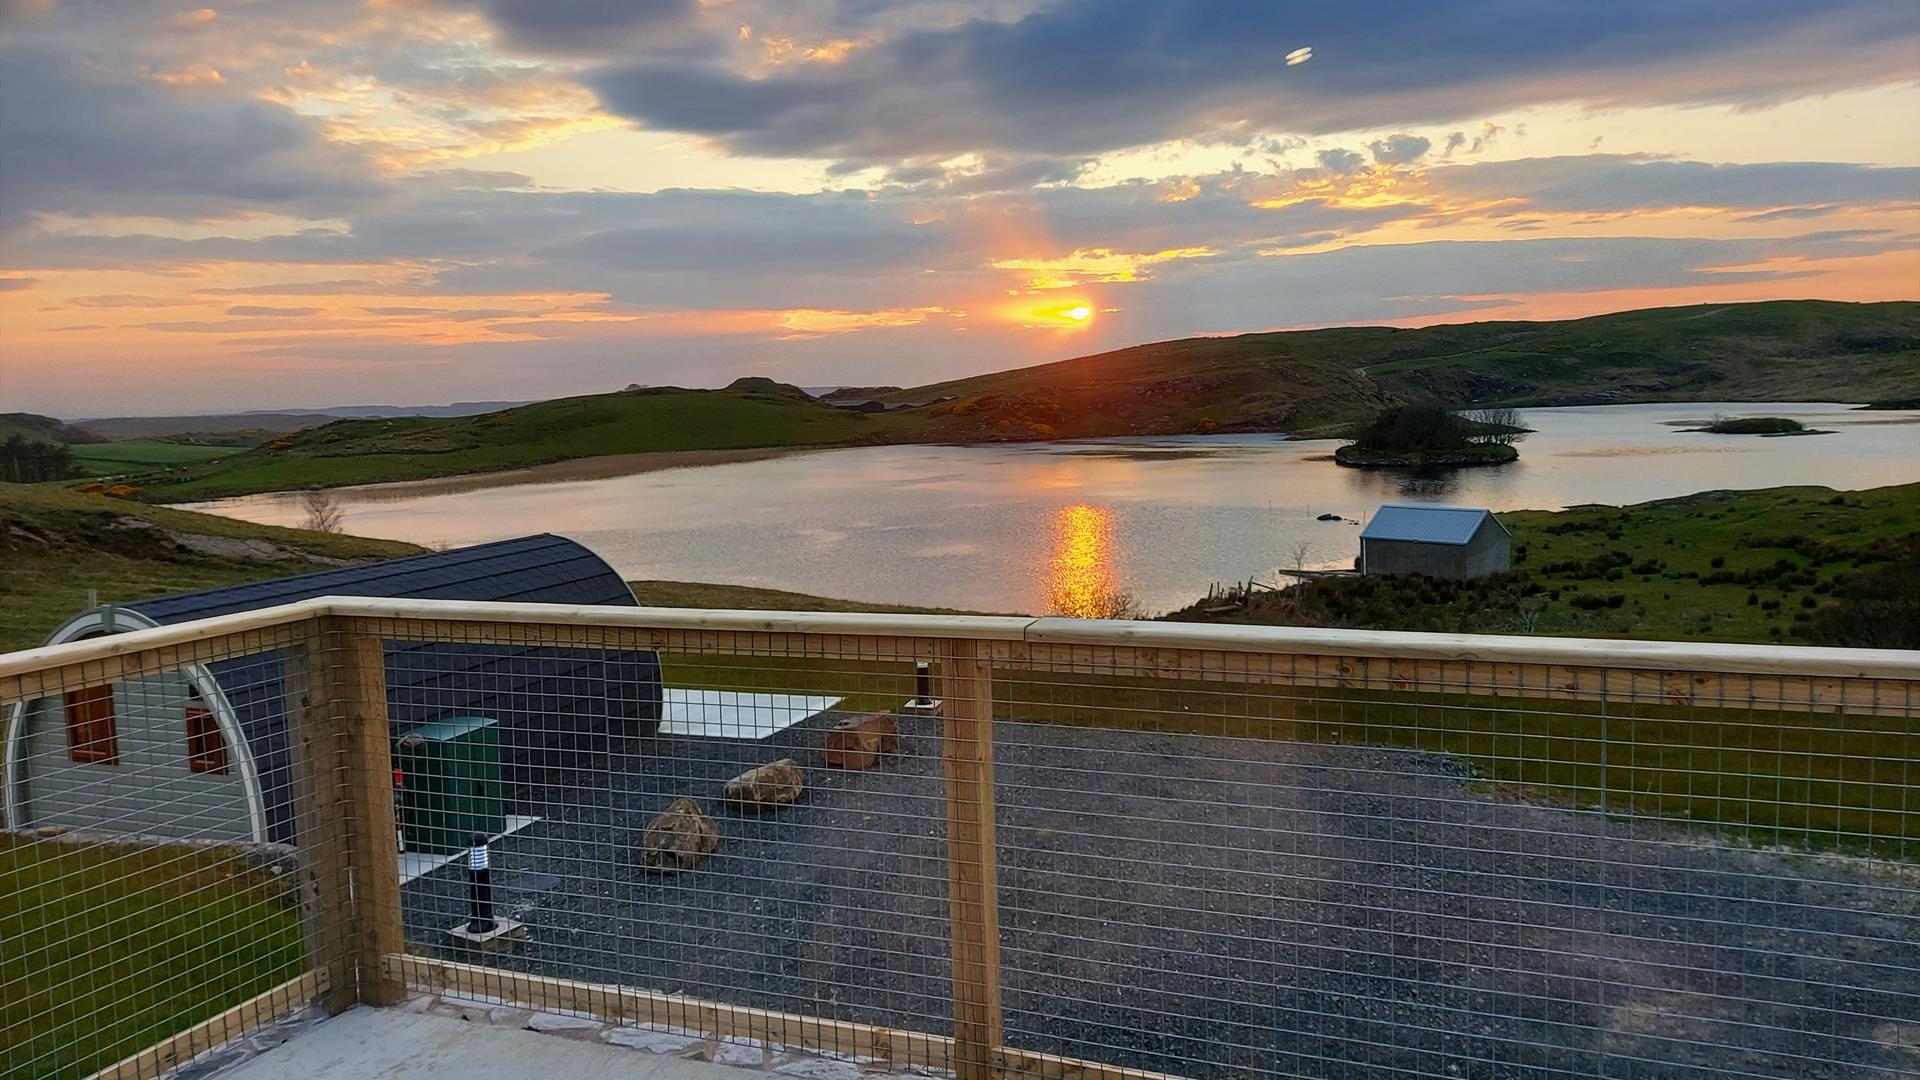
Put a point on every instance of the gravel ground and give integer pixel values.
(1220, 907)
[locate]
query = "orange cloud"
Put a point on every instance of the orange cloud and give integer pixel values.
(1089, 265)
(197, 75)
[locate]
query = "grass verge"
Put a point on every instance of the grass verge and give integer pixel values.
(113, 947)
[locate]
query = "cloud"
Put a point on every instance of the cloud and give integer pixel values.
(334, 287)
(273, 312)
(1340, 160)
(80, 141)
(1399, 148)
(14, 12)
(15, 284)
(1612, 183)
(1789, 213)
(126, 300)
(1398, 281)
(1085, 76)
(568, 26)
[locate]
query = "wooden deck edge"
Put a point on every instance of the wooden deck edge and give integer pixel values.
(620, 1004)
(214, 1032)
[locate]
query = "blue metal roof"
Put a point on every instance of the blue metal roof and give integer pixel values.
(1427, 524)
(536, 569)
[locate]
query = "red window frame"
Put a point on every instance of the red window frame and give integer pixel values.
(92, 735)
(206, 746)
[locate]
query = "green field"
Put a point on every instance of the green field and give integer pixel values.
(143, 456)
(111, 948)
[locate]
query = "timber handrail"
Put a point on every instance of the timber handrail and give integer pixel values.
(1704, 657)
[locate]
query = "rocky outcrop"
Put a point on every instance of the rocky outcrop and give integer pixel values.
(679, 838)
(766, 787)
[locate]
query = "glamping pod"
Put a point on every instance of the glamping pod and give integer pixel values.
(202, 753)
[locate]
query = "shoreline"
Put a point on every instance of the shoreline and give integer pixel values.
(603, 467)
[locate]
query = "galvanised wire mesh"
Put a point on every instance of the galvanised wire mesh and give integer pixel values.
(1148, 859)
(1212, 864)
(150, 872)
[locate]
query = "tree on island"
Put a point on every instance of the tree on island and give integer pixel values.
(1428, 433)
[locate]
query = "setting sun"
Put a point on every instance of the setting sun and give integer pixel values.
(1070, 315)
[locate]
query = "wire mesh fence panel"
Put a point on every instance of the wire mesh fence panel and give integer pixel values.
(1452, 873)
(149, 875)
(676, 822)
(1036, 858)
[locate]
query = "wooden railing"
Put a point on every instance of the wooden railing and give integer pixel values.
(336, 698)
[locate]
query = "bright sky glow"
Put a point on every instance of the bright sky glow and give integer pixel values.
(282, 203)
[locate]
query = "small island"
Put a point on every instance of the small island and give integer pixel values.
(1433, 436)
(1757, 425)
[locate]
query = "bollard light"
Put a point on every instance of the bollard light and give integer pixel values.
(480, 878)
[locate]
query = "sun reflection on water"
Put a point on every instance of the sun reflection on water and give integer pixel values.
(1080, 581)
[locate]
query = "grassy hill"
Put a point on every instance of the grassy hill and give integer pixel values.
(57, 544)
(1756, 566)
(1312, 382)
(1315, 381)
(239, 429)
(630, 422)
(36, 428)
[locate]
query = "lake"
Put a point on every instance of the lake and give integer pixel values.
(1072, 526)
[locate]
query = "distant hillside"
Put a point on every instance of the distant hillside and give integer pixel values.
(1315, 381)
(631, 422)
(228, 428)
(251, 428)
(1309, 383)
(37, 428)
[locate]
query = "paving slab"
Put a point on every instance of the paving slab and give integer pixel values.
(368, 1042)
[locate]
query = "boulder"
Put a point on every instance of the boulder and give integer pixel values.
(766, 787)
(860, 742)
(679, 838)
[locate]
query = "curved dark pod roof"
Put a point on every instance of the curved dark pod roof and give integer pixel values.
(545, 569)
(546, 699)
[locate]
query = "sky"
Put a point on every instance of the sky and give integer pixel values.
(284, 203)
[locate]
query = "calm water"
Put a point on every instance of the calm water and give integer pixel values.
(1066, 526)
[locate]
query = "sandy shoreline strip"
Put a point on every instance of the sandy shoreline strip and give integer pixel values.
(560, 472)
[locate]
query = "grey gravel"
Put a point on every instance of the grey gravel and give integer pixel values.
(1220, 907)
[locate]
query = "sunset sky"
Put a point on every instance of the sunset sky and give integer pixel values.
(283, 203)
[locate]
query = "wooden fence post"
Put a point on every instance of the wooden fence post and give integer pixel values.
(973, 892)
(340, 744)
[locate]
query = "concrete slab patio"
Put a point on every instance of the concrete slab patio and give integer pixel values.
(368, 1042)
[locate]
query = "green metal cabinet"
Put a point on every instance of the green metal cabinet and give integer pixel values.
(448, 777)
